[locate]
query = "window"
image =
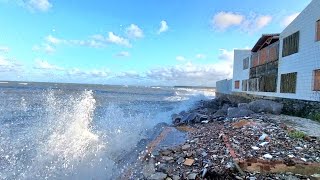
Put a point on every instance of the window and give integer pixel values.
(244, 85)
(237, 84)
(290, 44)
(246, 63)
(288, 83)
(316, 80)
(318, 30)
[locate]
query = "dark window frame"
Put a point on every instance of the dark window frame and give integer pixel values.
(246, 62)
(316, 84)
(285, 83)
(290, 44)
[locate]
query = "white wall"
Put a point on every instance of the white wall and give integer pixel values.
(238, 73)
(306, 60)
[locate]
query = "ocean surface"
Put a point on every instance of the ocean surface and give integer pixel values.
(74, 131)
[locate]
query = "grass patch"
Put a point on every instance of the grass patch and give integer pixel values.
(315, 117)
(297, 134)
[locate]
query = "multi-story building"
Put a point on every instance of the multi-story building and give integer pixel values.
(285, 65)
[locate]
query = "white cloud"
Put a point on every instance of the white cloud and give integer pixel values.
(123, 54)
(251, 23)
(201, 56)
(47, 48)
(224, 20)
(133, 31)
(112, 38)
(41, 5)
(129, 74)
(226, 55)
(163, 27)
(255, 23)
(4, 49)
(9, 65)
(288, 19)
(180, 58)
(98, 73)
(53, 40)
(45, 65)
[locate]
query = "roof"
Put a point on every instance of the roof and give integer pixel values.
(265, 40)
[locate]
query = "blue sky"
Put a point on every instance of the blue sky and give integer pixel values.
(141, 42)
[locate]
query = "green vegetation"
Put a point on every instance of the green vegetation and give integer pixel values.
(297, 134)
(315, 117)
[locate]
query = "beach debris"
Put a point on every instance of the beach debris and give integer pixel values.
(188, 162)
(255, 148)
(267, 156)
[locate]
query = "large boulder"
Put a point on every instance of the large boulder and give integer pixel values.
(266, 106)
(243, 105)
(238, 112)
(220, 113)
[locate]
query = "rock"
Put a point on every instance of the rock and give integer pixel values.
(255, 148)
(176, 119)
(188, 162)
(263, 144)
(266, 106)
(267, 156)
(243, 106)
(204, 172)
(168, 178)
(189, 118)
(167, 158)
(192, 176)
(163, 168)
(175, 177)
(158, 176)
(148, 170)
(263, 137)
(204, 154)
(166, 152)
(180, 160)
(185, 147)
(220, 113)
(237, 112)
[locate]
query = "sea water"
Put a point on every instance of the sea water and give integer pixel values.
(74, 131)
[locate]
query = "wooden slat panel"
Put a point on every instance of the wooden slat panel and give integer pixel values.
(317, 80)
(318, 30)
(288, 83)
(237, 84)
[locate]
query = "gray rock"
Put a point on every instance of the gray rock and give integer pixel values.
(186, 147)
(189, 118)
(167, 158)
(192, 176)
(158, 176)
(176, 118)
(243, 106)
(266, 106)
(237, 112)
(175, 177)
(220, 113)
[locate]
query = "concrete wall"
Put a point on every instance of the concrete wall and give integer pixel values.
(224, 86)
(304, 62)
(239, 73)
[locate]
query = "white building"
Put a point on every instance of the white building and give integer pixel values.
(285, 65)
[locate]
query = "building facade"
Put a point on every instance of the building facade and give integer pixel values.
(285, 65)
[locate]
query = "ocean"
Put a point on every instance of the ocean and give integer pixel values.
(78, 131)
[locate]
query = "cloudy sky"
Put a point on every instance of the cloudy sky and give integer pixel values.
(133, 42)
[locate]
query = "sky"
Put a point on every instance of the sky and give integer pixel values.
(133, 42)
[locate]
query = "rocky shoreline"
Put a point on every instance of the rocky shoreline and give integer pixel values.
(235, 141)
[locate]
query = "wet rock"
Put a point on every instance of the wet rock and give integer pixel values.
(175, 177)
(166, 152)
(237, 112)
(189, 118)
(158, 176)
(176, 118)
(267, 156)
(167, 158)
(185, 147)
(220, 113)
(192, 176)
(243, 106)
(266, 106)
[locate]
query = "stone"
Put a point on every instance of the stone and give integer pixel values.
(189, 118)
(243, 106)
(188, 162)
(255, 148)
(175, 177)
(158, 176)
(266, 106)
(263, 144)
(220, 113)
(267, 156)
(166, 152)
(176, 118)
(186, 147)
(263, 137)
(192, 176)
(204, 154)
(167, 158)
(180, 160)
(237, 112)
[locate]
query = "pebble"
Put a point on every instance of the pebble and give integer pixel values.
(192, 176)
(188, 162)
(186, 147)
(267, 156)
(255, 148)
(158, 176)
